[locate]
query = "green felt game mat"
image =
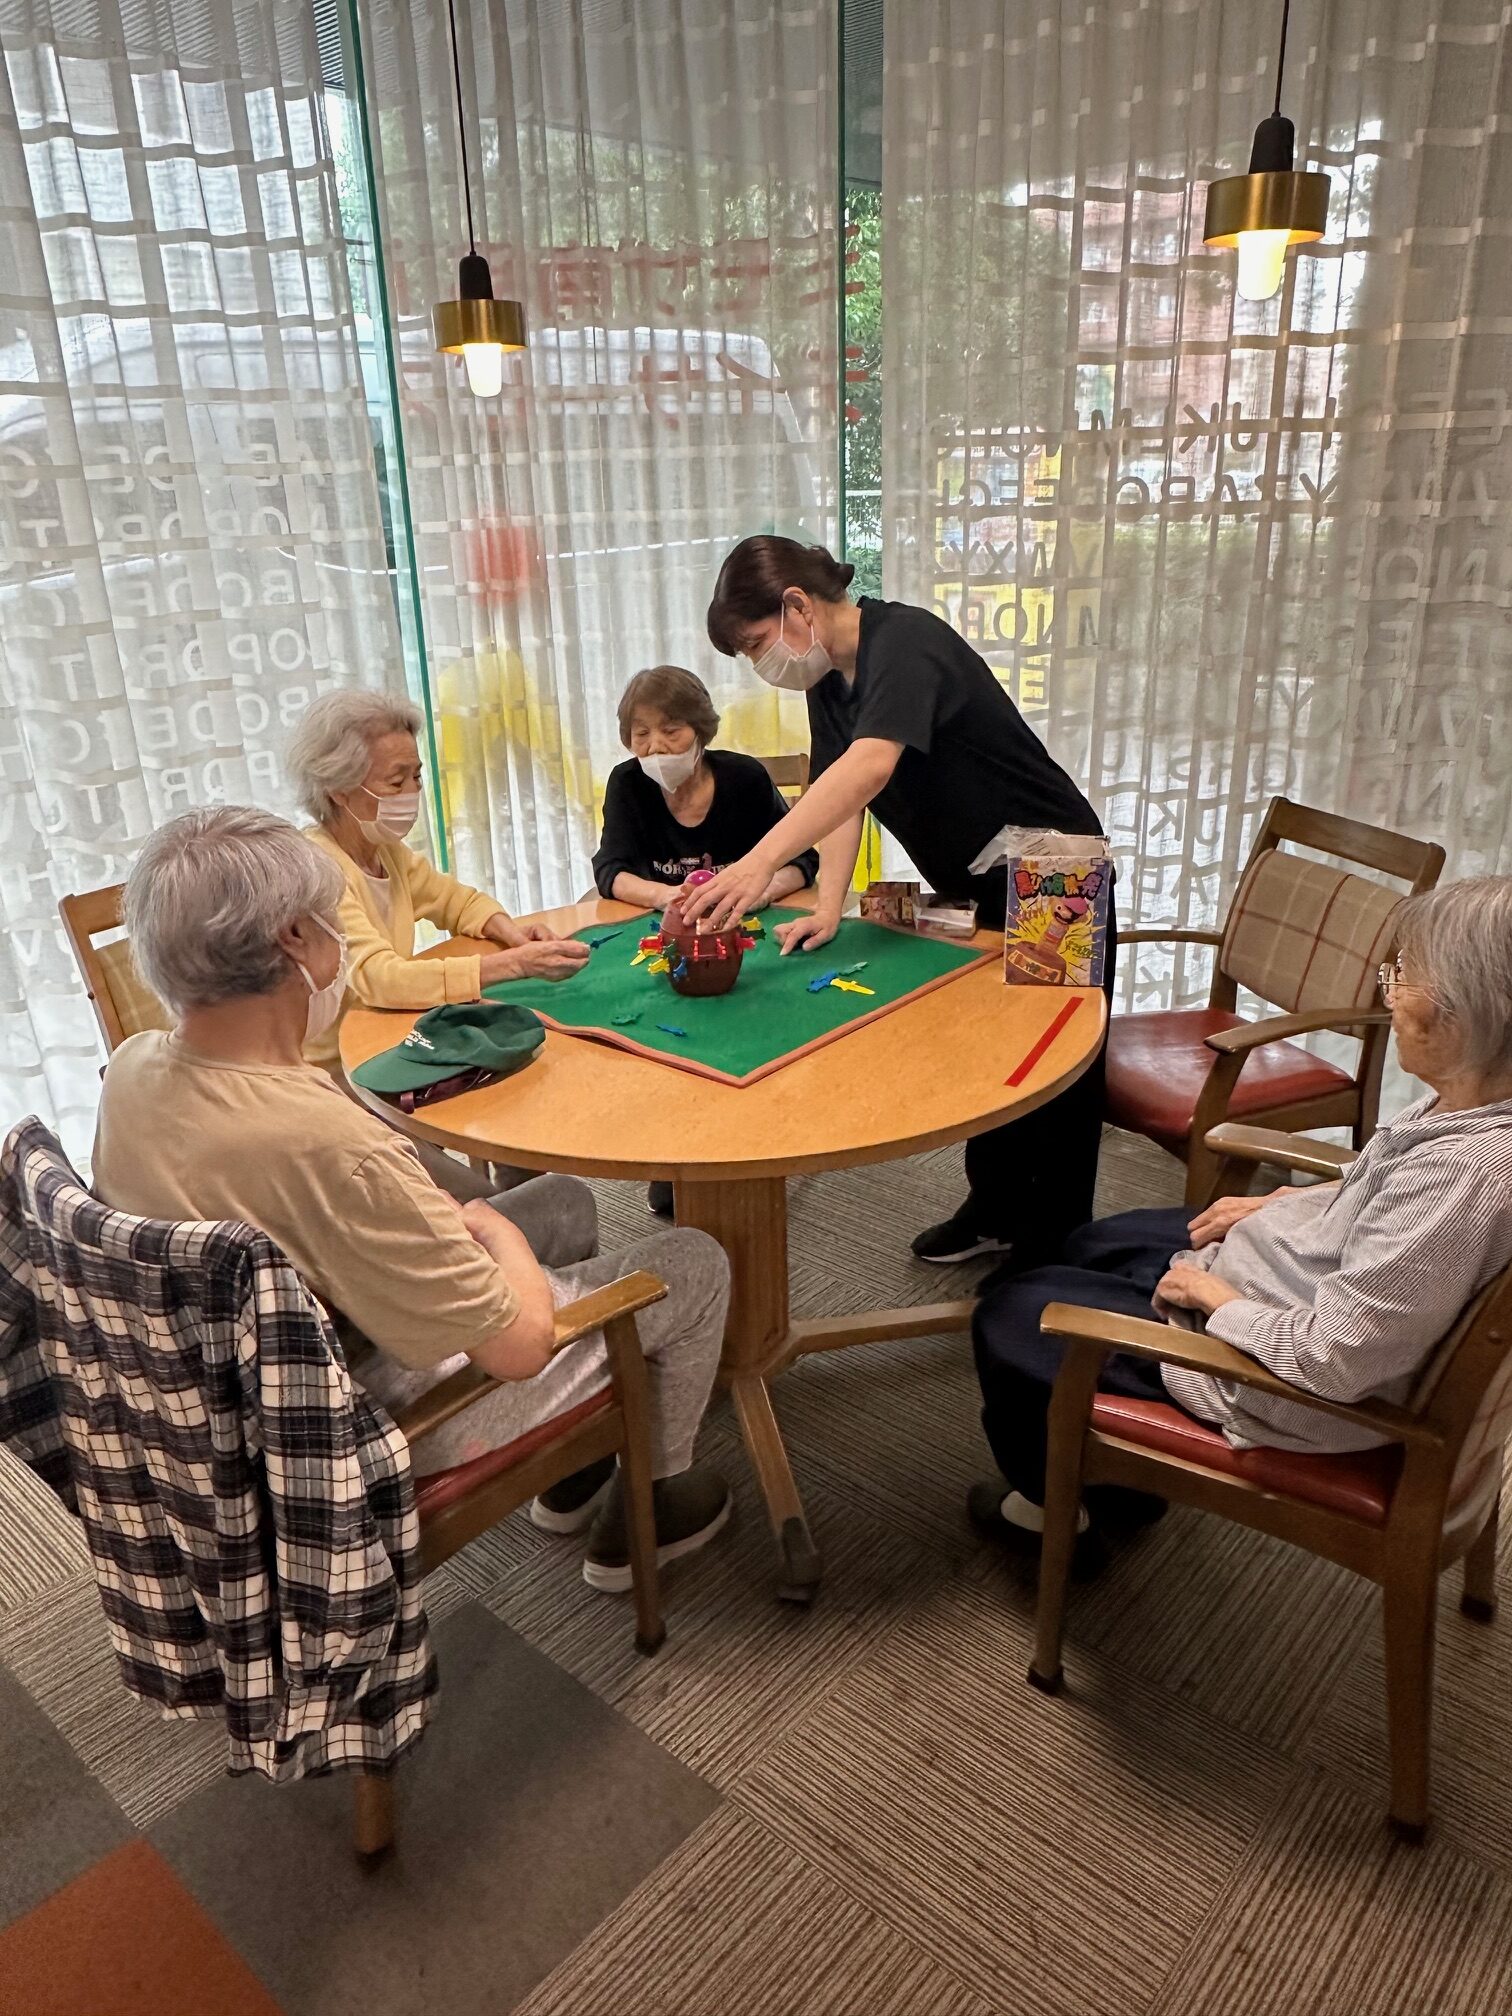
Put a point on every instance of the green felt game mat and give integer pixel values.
(767, 1019)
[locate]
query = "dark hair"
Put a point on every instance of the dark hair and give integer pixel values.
(681, 696)
(755, 577)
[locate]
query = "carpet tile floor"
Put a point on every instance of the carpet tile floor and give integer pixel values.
(860, 1810)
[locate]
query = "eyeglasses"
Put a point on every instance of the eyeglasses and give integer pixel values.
(1388, 979)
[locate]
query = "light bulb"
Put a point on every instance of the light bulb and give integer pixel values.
(1262, 261)
(485, 367)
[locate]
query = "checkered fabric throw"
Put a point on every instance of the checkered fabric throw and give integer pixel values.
(31, 1419)
(250, 1513)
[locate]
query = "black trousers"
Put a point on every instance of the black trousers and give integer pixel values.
(1033, 1180)
(1114, 1264)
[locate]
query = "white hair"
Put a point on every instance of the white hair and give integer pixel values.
(1459, 939)
(208, 896)
(331, 749)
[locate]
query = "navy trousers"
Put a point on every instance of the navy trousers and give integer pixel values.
(1112, 1263)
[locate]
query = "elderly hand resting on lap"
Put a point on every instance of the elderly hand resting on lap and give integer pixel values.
(1182, 1287)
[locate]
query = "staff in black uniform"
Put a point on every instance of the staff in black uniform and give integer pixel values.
(908, 721)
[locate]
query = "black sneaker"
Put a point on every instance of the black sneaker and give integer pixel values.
(957, 1239)
(659, 1200)
(984, 1508)
(690, 1510)
(571, 1505)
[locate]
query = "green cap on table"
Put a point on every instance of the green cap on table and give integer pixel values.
(463, 1036)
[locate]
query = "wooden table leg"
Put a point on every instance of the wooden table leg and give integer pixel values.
(749, 1219)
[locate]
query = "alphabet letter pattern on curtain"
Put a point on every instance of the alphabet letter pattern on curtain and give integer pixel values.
(191, 542)
(1217, 549)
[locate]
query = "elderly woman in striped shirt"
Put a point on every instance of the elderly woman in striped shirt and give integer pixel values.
(1342, 1288)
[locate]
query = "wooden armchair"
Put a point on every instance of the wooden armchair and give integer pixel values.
(456, 1505)
(123, 1003)
(1303, 935)
(1398, 1514)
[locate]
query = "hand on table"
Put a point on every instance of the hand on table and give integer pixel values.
(1184, 1287)
(504, 931)
(732, 894)
(548, 959)
(806, 934)
(1209, 1226)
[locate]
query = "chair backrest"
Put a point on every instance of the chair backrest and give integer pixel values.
(788, 773)
(1306, 935)
(1466, 1386)
(250, 1514)
(122, 1001)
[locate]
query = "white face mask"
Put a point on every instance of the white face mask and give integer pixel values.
(323, 1009)
(670, 771)
(794, 671)
(395, 817)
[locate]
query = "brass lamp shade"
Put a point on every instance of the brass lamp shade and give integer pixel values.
(457, 323)
(475, 316)
(1269, 201)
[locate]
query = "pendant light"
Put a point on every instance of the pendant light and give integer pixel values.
(1270, 208)
(475, 325)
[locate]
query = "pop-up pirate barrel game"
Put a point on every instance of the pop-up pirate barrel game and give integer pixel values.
(778, 1009)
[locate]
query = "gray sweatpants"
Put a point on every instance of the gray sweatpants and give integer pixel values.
(681, 1336)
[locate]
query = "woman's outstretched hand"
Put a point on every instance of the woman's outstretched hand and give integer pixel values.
(733, 893)
(806, 934)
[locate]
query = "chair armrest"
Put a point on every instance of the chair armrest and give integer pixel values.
(1277, 1028)
(444, 1401)
(621, 1298)
(1274, 1144)
(1192, 1351)
(1168, 934)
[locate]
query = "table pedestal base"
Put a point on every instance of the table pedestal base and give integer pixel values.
(749, 1219)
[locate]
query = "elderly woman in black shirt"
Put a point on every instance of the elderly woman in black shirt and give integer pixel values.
(678, 805)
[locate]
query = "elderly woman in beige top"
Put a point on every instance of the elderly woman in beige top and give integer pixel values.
(355, 762)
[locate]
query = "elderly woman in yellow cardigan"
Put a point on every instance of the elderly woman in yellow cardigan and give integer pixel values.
(356, 765)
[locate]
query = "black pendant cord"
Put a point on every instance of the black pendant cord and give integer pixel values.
(472, 236)
(1280, 60)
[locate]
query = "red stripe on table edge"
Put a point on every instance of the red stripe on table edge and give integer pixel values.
(1027, 1063)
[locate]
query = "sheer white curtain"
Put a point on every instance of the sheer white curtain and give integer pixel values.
(190, 535)
(659, 186)
(1216, 549)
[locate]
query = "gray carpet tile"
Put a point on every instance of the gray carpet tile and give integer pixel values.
(1244, 1627)
(55, 1819)
(895, 1429)
(41, 1543)
(58, 1646)
(1325, 1913)
(738, 1668)
(1472, 1734)
(1053, 1854)
(1194, 1828)
(735, 1924)
(526, 1816)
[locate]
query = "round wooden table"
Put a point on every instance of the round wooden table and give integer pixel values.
(932, 1071)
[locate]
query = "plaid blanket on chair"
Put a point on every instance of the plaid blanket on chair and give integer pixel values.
(31, 1420)
(250, 1513)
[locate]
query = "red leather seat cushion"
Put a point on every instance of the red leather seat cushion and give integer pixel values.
(444, 1487)
(1360, 1484)
(1158, 1064)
